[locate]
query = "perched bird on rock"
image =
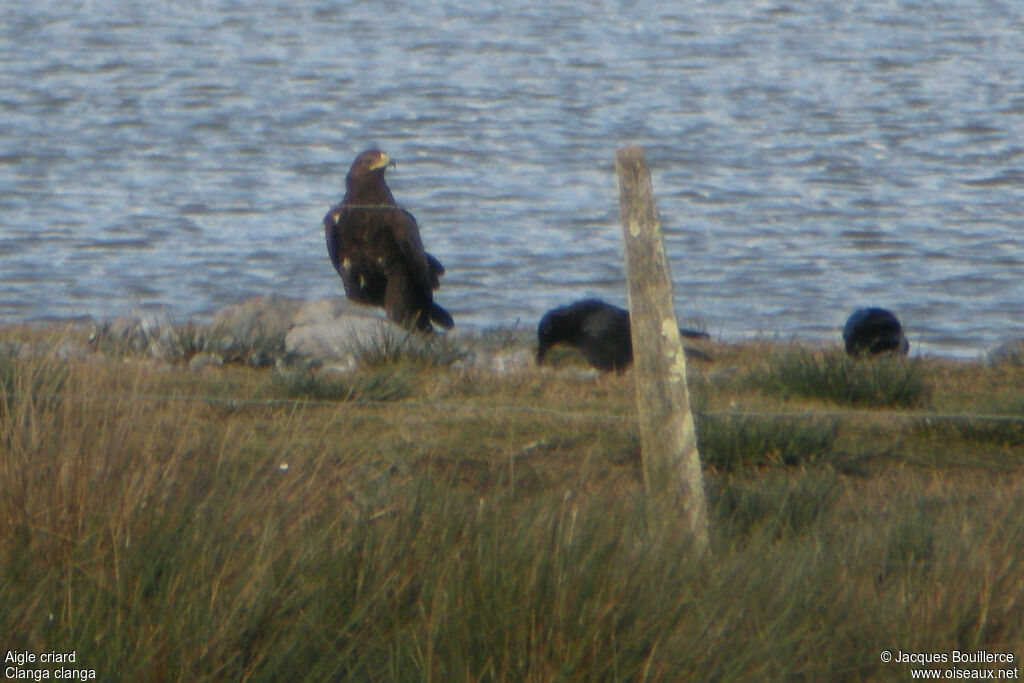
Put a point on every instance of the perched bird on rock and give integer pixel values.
(599, 330)
(870, 331)
(376, 248)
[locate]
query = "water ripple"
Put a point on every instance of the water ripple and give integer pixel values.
(807, 160)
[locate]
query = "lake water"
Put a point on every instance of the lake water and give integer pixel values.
(808, 158)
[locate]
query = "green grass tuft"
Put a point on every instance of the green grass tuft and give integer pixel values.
(910, 542)
(997, 431)
(878, 382)
(997, 421)
(777, 504)
(729, 442)
(29, 383)
(392, 347)
(385, 385)
(256, 347)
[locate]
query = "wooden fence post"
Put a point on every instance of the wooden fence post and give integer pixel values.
(668, 438)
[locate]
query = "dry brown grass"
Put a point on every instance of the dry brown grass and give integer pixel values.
(171, 525)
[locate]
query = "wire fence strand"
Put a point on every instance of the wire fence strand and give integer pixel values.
(452, 408)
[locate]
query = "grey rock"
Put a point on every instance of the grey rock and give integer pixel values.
(1010, 352)
(261, 358)
(69, 350)
(339, 339)
(148, 334)
(335, 308)
(267, 328)
(502, 361)
(260, 322)
(201, 361)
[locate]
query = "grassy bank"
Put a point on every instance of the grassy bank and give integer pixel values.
(417, 521)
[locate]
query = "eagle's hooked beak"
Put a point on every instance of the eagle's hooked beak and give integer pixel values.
(383, 161)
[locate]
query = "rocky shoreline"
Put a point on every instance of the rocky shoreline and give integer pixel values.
(329, 333)
(332, 334)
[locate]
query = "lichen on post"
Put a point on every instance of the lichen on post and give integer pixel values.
(668, 438)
